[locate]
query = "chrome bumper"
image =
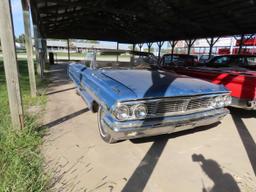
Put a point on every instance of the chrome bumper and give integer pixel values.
(157, 126)
(243, 103)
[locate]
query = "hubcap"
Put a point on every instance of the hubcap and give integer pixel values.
(101, 123)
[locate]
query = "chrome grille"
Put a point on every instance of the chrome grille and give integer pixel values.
(178, 105)
(166, 106)
(199, 103)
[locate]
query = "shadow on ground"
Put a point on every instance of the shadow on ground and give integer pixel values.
(245, 136)
(142, 173)
(65, 118)
(223, 182)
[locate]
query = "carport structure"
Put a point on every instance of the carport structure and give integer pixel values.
(128, 21)
(141, 22)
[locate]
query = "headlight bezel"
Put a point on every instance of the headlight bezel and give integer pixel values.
(132, 108)
(223, 100)
(228, 100)
(141, 107)
(220, 101)
(118, 115)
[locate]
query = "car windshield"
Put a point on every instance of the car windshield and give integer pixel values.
(123, 60)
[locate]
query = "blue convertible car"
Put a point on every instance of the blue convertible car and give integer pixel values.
(134, 98)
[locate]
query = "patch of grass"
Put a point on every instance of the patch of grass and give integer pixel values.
(21, 163)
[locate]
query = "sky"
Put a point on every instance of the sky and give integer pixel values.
(17, 17)
(19, 27)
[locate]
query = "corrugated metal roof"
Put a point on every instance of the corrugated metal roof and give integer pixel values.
(134, 21)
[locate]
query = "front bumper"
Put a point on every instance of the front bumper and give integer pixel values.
(243, 103)
(157, 126)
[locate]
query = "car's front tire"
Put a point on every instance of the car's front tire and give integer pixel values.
(102, 127)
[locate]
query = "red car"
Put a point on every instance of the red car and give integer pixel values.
(237, 61)
(240, 81)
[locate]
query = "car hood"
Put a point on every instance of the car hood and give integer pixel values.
(157, 83)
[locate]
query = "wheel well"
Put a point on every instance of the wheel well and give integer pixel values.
(95, 107)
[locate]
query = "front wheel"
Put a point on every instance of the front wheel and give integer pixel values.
(102, 127)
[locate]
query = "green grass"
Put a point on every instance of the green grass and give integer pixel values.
(21, 163)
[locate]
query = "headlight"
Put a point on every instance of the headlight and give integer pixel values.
(122, 112)
(220, 101)
(213, 103)
(130, 111)
(140, 111)
(227, 100)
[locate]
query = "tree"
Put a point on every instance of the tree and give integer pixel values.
(21, 38)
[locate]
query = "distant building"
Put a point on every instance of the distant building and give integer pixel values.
(76, 46)
(225, 45)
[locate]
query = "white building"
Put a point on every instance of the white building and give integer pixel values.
(79, 46)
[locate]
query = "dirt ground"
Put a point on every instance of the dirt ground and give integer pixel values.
(215, 158)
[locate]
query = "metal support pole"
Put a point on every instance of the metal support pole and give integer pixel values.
(189, 46)
(211, 44)
(173, 44)
(44, 48)
(42, 53)
(160, 44)
(140, 46)
(117, 48)
(190, 43)
(241, 44)
(254, 43)
(68, 50)
(10, 64)
(29, 48)
(149, 46)
(37, 50)
(133, 47)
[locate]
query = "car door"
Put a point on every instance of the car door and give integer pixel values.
(74, 72)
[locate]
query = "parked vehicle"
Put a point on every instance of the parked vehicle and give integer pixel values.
(205, 58)
(240, 81)
(134, 98)
(233, 61)
(179, 60)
